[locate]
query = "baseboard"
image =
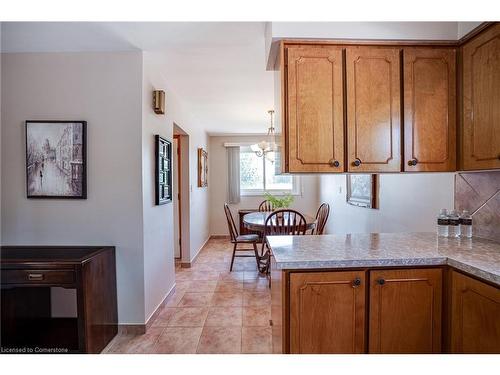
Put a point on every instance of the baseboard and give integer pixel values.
(141, 329)
(219, 237)
(188, 264)
(159, 308)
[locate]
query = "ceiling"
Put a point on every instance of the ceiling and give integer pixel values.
(217, 69)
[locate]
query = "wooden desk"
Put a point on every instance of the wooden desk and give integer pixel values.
(28, 273)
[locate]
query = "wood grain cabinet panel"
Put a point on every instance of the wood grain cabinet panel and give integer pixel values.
(405, 311)
(327, 312)
(373, 109)
(315, 127)
(475, 316)
(481, 101)
(429, 109)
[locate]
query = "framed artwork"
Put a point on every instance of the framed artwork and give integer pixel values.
(56, 165)
(163, 170)
(202, 168)
(362, 190)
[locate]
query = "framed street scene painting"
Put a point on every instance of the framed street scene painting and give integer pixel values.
(362, 190)
(56, 159)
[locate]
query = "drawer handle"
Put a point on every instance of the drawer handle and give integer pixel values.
(412, 162)
(356, 282)
(334, 163)
(356, 163)
(380, 281)
(35, 276)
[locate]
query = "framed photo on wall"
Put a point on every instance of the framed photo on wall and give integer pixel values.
(163, 170)
(56, 165)
(202, 168)
(362, 190)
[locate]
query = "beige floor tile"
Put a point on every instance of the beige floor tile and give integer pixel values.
(259, 285)
(195, 299)
(178, 340)
(182, 285)
(188, 317)
(235, 276)
(220, 340)
(256, 340)
(163, 318)
(256, 298)
(224, 317)
(233, 299)
(201, 286)
(256, 316)
(140, 344)
(205, 275)
(224, 286)
(174, 299)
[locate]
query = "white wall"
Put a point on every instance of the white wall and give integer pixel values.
(408, 203)
(306, 203)
(159, 70)
(466, 27)
(105, 90)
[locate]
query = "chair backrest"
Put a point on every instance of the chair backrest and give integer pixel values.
(285, 222)
(266, 206)
(321, 218)
(233, 231)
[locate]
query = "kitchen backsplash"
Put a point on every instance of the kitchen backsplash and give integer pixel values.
(479, 193)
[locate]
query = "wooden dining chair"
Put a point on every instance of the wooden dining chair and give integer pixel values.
(321, 218)
(265, 206)
(285, 222)
(237, 239)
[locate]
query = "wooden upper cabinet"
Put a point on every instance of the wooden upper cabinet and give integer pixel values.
(481, 101)
(373, 109)
(327, 312)
(475, 316)
(429, 109)
(405, 311)
(314, 124)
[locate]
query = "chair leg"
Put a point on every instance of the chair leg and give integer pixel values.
(256, 254)
(232, 259)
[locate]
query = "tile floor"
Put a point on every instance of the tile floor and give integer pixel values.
(212, 310)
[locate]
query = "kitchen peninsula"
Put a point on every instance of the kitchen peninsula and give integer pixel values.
(385, 293)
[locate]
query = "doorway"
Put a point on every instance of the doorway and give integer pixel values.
(177, 197)
(180, 192)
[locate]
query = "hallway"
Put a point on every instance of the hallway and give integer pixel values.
(212, 310)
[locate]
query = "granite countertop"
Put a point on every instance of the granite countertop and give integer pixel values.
(476, 256)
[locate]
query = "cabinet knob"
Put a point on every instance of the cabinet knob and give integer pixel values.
(380, 281)
(356, 163)
(356, 282)
(334, 163)
(412, 162)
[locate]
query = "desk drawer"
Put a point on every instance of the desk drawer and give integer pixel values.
(38, 277)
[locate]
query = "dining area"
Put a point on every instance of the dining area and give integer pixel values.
(256, 225)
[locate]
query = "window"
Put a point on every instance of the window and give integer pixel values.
(257, 175)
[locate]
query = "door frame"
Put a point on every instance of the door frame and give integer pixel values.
(179, 194)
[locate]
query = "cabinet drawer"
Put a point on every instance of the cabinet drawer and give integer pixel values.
(38, 277)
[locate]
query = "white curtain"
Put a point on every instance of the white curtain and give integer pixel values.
(233, 174)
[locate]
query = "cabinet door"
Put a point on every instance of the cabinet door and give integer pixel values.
(475, 316)
(481, 101)
(327, 312)
(315, 122)
(405, 311)
(429, 107)
(373, 115)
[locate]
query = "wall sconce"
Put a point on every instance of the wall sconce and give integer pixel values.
(159, 102)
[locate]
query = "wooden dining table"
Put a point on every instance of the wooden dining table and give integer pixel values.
(256, 221)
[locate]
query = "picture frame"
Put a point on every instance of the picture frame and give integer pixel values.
(56, 159)
(202, 168)
(362, 190)
(163, 170)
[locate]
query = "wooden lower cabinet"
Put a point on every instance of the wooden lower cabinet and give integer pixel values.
(405, 311)
(475, 316)
(327, 312)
